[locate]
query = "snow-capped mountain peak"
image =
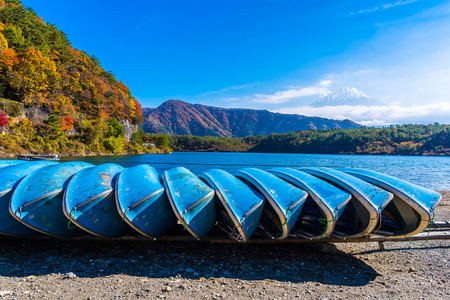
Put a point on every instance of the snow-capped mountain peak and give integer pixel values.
(347, 96)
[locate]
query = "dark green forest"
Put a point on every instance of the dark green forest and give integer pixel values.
(408, 139)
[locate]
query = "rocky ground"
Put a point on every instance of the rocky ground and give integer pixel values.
(61, 269)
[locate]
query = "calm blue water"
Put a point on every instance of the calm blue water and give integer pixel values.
(431, 172)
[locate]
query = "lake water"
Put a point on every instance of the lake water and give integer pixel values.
(429, 171)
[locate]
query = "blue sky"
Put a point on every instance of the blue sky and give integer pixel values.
(276, 55)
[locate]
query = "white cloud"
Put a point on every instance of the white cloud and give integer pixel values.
(385, 6)
(398, 3)
(294, 93)
(379, 115)
(325, 82)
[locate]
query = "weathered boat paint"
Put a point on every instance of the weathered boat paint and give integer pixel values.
(89, 201)
(10, 162)
(412, 206)
(191, 200)
(37, 199)
(368, 200)
(236, 204)
(325, 201)
(284, 201)
(9, 178)
(142, 201)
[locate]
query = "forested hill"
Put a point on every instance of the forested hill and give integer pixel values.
(181, 118)
(58, 99)
(394, 140)
(40, 68)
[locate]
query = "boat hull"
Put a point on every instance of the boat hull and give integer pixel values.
(412, 206)
(240, 208)
(368, 202)
(323, 207)
(284, 201)
(37, 199)
(191, 200)
(89, 201)
(9, 178)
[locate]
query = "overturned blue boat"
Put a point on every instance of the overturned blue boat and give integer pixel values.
(142, 201)
(410, 211)
(37, 199)
(9, 178)
(323, 207)
(192, 201)
(283, 205)
(362, 215)
(71, 199)
(239, 209)
(89, 201)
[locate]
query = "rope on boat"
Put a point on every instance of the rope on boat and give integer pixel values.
(74, 209)
(428, 233)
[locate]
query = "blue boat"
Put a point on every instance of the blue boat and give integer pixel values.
(9, 178)
(239, 209)
(142, 201)
(283, 205)
(410, 211)
(362, 215)
(322, 208)
(37, 199)
(89, 201)
(10, 162)
(192, 201)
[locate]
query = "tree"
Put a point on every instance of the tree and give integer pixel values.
(3, 120)
(54, 125)
(66, 123)
(38, 71)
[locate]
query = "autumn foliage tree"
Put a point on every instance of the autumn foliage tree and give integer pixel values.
(3, 120)
(42, 72)
(66, 123)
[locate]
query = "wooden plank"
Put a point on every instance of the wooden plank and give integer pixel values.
(442, 224)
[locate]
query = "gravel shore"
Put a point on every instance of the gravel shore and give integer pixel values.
(61, 269)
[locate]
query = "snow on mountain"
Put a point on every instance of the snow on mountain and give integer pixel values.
(347, 96)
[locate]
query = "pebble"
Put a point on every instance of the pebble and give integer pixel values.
(168, 270)
(69, 275)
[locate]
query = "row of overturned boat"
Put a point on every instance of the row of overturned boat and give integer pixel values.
(75, 198)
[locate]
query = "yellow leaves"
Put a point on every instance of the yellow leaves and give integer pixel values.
(89, 84)
(132, 108)
(38, 71)
(62, 105)
(2, 26)
(3, 43)
(40, 20)
(74, 83)
(21, 126)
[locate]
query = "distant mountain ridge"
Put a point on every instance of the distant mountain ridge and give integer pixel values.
(347, 96)
(181, 118)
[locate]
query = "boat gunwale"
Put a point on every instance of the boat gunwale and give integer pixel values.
(235, 218)
(331, 214)
(374, 212)
(418, 207)
(175, 208)
(275, 205)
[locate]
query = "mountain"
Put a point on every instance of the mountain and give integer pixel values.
(347, 96)
(181, 118)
